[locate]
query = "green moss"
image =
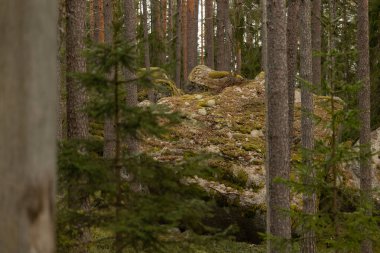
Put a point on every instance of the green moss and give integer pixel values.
(254, 146)
(218, 74)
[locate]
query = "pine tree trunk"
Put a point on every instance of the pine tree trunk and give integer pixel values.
(184, 44)
(364, 107)
(224, 36)
(28, 107)
(278, 221)
(264, 32)
(146, 46)
(209, 33)
(192, 31)
(316, 42)
(158, 50)
(131, 87)
(178, 54)
(77, 120)
(109, 128)
(307, 133)
(61, 84)
(292, 37)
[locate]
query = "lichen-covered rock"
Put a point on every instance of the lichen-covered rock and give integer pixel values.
(206, 78)
(233, 130)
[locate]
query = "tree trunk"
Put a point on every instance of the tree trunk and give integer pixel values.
(209, 33)
(264, 32)
(307, 133)
(146, 47)
(364, 107)
(224, 36)
(184, 44)
(292, 37)
(158, 32)
(178, 54)
(316, 42)
(131, 87)
(77, 120)
(192, 31)
(278, 221)
(28, 102)
(61, 84)
(109, 128)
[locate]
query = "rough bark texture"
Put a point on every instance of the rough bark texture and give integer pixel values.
(131, 87)
(178, 53)
(61, 84)
(278, 221)
(192, 33)
(292, 37)
(109, 128)
(77, 120)
(364, 107)
(28, 102)
(184, 43)
(224, 36)
(316, 41)
(158, 32)
(307, 129)
(146, 46)
(264, 31)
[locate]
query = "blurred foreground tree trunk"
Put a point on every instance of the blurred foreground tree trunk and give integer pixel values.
(28, 102)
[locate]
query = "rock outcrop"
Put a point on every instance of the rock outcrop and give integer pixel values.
(230, 125)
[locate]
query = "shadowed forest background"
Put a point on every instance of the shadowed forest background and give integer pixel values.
(190, 126)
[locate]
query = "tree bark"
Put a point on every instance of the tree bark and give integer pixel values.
(316, 42)
(109, 127)
(131, 87)
(61, 84)
(307, 133)
(28, 107)
(292, 37)
(224, 36)
(178, 54)
(146, 46)
(264, 31)
(184, 43)
(158, 32)
(365, 112)
(278, 220)
(192, 33)
(77, 120)
(209, 33)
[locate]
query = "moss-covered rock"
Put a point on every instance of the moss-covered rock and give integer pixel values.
(233, 129)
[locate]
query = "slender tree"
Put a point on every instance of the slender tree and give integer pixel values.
(131, 86)
(146, 45)
(184, 43)
(292, 38)
(77, 120)
(307, 133)
(109, 127)
(365, 111)
(264, 31)
(192, 33)
(278, 220)
(316, 42)
(158, 32)
(224, 36)
(178, 54)
(61, 84)
(28, 102)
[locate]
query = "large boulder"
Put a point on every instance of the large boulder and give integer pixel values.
(205, 78)
(229, 124)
